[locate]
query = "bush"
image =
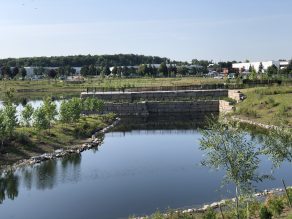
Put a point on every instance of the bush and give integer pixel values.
(265, 213)
(22, 138)
(276, 205)
(270, 103)
(248, 112)
(289, 191)
(209, 214)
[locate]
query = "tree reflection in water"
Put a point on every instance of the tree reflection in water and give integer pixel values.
(43, 176)
(9, 183)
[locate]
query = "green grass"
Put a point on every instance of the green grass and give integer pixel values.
(271, 105)
(28, 141)
(39, 89)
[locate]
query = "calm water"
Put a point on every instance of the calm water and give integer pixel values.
(132, 172)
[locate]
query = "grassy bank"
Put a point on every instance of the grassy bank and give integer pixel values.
(270, 105)
(39, 89)
(28, 142)
(273, 206)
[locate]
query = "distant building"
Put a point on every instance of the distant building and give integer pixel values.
(246, 65)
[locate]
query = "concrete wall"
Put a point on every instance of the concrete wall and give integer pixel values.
(174, 107)
(157, 95)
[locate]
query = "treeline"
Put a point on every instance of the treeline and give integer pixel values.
(83, 60)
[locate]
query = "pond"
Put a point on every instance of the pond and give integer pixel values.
(142, 166)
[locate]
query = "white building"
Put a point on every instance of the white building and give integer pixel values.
(246, 65)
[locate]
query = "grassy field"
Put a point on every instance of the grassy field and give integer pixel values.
(270, 105)
(37, 89)
(28, 142)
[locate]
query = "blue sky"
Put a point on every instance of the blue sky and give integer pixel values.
(178, 29)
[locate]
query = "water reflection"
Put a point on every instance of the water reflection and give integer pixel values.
(9, 183)
(134, 172)
(175, 121)
(42, 176)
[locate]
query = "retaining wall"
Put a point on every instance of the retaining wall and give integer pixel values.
(147, 108)
(157, 95)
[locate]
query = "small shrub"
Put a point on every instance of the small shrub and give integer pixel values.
(22, 138)
(270, 103)
(289, 191)
(248, 112)
(275, 205)
(265, 213)
(209, 214)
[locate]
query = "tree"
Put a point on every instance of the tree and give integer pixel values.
(261, 67)
(40, 120)
(8, 122)
(126, 71)
(70, 111)
(272, 70)
(115, 71)
(10, 118)
(250, 69)
(227, 147)
(50, 109)
(52, 73)
(92, 70)
(163, 69)
(143, 70)
(93, 104)
(6, 71)
(84, 71)
(23, 73)
(253, 74)
(14, 72)
(106, 71)
(65, 112)
(61, 71)
(278, 145)
(289, 67)
(26, 114)
(182, 70)
(3, 133)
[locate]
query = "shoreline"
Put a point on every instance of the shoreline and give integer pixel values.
(92, 142)
(218, 204)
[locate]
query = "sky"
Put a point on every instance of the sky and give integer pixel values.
(183, 30)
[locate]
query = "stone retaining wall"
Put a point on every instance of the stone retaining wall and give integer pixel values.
(146, 108)
(225, 106)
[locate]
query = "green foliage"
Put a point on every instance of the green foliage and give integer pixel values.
(265, 213)
(10, 119)
(41, 121)
(272, 70)
(26, 114)
(163, 69)
(270, 103)
(209, 214)
(283, 111)
(253, 74)
(226, 147)
(289, 191)
(50, 109)
(276, 205)
(22, 138)
(3, 133)
(248, 112)
(93, 104)
(70, 111)
(278, 145)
